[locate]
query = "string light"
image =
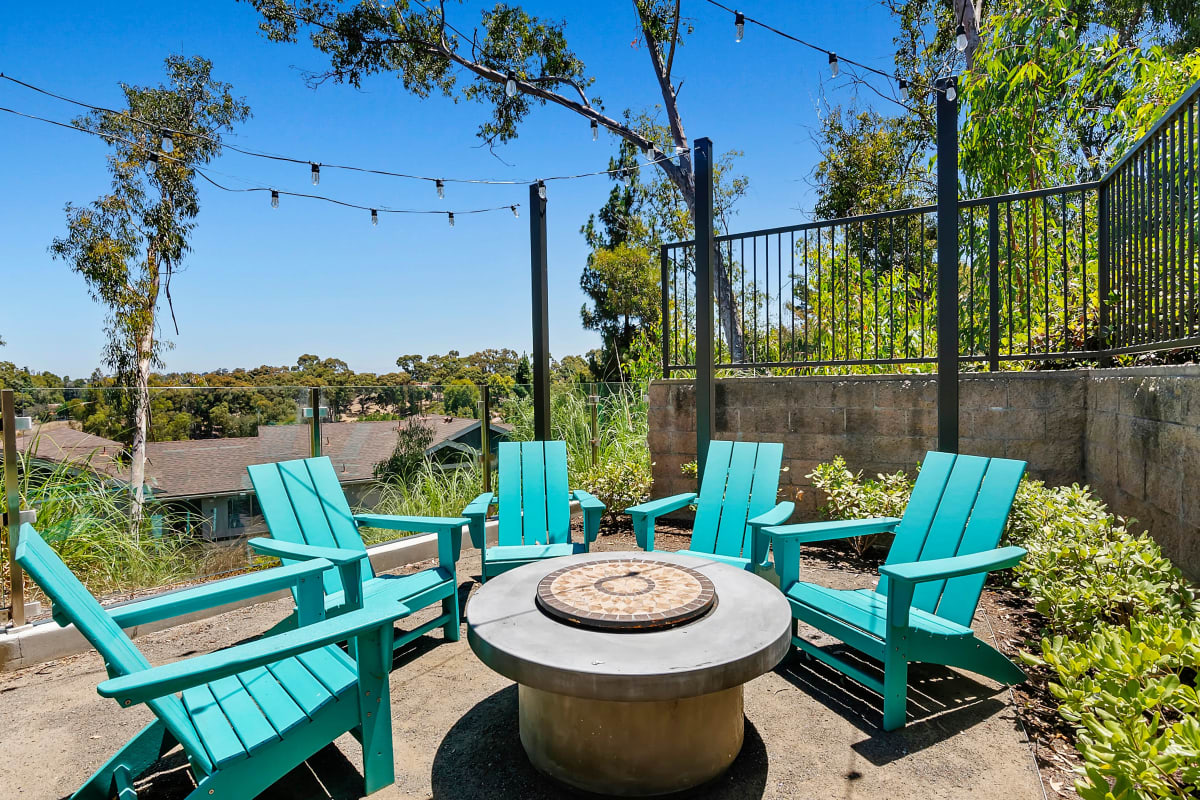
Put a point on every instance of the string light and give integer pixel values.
(168, 145)
(626, 178)
(450, 216)
(951, 93)
(316, 173)
(159, 130)
(510, 86)
(441, 189)
(374, 217)
(960, 38)
(152, 163)
(833, 64)
(541, 190)
(516, 212)
(903, 85)
(595, 130)
(274, 198)
(739, 24)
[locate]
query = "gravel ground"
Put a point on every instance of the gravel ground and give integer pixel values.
(809, 733)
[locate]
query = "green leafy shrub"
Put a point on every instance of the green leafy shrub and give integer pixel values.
(617, 484)
(848, 496)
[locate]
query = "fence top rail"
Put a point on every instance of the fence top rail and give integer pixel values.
(855, 220)
(1166, 119)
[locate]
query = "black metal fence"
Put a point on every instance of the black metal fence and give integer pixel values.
(1073, 273)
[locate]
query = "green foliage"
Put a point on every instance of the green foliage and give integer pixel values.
(413, 440)
(618, 484)
(459, 398)
(428, 491)
(848, 496)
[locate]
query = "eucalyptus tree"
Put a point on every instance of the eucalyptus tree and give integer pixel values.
(512, 62)
(128, 243)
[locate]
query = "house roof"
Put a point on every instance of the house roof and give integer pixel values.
(208, 467)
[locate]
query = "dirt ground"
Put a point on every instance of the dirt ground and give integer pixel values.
(809, 732)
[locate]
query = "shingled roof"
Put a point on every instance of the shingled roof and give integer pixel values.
(210, 467)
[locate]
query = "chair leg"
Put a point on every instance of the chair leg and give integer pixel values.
(452, 629)
(132, 760)
(374, 666)
(895, 689)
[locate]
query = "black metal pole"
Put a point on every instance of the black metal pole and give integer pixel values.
(1103, 272)
(706, 395)
(947, 254)
(541, 311)
(665, 311)
(993, 286)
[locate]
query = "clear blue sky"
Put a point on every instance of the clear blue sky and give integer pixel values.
(263, 286)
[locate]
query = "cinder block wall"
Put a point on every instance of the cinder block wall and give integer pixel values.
(1064, 423)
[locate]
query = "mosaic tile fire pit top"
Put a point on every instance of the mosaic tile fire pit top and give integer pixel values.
(626, 594)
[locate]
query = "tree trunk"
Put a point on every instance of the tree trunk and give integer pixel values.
(141, 432)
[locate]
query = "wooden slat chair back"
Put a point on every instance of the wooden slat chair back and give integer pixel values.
(741, 481)
(73, 603)
(303, 503)
(534, 499)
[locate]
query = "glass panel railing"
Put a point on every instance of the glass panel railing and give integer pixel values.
(408, 449)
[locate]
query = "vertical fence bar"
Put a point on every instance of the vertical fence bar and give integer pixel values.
(994, 286)
(947, 276)
(314, 432)
(665, 312)
(12, 508)
(1102, 271)
(541, 311)
(706, 393)
(485, 435)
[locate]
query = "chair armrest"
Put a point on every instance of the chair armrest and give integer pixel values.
(346, 561)
(944, 568)
(139, 687)
(391, 522)
(593, 510)
(776, 516)
(758, 543)
(835, 529)
(448, 530)
(476, 514)
(303, 552)
(217, 593)
(656, 508)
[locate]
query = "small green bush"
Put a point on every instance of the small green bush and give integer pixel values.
(617, 484)
(848, 496)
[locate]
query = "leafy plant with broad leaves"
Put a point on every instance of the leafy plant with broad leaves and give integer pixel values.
(848, 496)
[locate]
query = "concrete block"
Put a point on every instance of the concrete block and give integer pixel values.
(818, 420)
(979, 392)
(906, 393)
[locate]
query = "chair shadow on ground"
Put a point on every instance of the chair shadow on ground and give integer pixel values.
(941, 702)
(481, 757)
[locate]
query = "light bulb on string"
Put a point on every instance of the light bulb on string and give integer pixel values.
(960, 38)
(541, 190)
(510, 86)
(152, 163)
(316, 174)
(833, 64)
(441, 189)
(951, 93)
(516, 212)
(168, 145)
(374, 217)
(739, 24)
(903, 85)
(595, 130)
(450, 216)
(274, 198)
(626, 178)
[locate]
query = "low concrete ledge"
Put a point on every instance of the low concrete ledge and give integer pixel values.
(44, 641)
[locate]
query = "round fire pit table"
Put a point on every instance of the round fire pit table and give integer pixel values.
(630, 666)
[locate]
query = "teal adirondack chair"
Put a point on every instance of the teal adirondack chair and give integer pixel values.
(247, 715)
(308, 517)
(736, 501)
(534, 508)
(922, 607)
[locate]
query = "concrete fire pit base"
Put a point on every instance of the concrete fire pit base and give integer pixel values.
(631, 749)
(630, 713)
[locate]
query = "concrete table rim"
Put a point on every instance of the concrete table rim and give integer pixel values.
(724, 649)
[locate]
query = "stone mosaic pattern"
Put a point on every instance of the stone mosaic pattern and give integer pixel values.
(626, 594)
